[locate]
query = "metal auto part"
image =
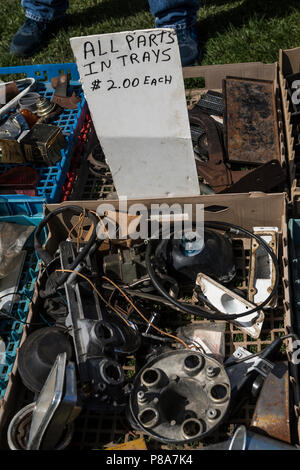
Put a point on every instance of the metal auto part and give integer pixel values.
(19, 428)
(29, 101)
(38, 353)
(214, 171)
(60, 84)
(54, 406)
(44, 106)
(44, 143)
(218, 173)
(212, 103)
(272, 411)
(179, 396)
(188, 256)
(28, 83)
(250, 120)
(262, 273)
(229, 302)
(98, 336)
(247, 376)
(243, 439)
(127, 265)
(13, 127)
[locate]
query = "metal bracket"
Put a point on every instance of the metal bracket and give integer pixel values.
(228, 302)
(262, 272)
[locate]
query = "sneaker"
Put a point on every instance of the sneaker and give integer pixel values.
(188, 45)
(30, 38)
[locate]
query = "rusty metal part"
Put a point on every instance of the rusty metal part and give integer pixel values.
(250, 119)
(60, 97)
(214, 171)
(263, 178)
(272, 412)
(217, 172)
(97, 165)
(11, 91)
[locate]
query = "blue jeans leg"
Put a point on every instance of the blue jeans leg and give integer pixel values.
(169, 12)
(45, 10)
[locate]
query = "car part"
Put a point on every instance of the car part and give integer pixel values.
(9, 284)
(28, 83)
(13, 237)
(29, 101)
(127, 265)
(264, 178)
(44, 106)
(196, 310)
(47, 258)
(54, 407)
(179, 396)
(12, 127)
(218, 173)
(244, 370)
(186, 257)
(272, 411)
(247, 371)
(38, 353)
(243, 439)
(60, 84)
(251, 129)
(19, 427)
(229, 302)
(8, 91)
(43, 143)
(213, 170)
(212, 102)
(262, 272)
(97, 165)
(99, 336)
(209, 337)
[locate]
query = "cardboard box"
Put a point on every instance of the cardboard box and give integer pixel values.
(246, 210)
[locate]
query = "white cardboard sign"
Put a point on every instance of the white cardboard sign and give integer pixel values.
(134, 87)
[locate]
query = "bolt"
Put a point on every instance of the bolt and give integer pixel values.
(173, 422)
(141, 397)
(212, 413)
(210, 371)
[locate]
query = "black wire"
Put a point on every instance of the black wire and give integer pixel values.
(196, 310)
(16, 293)
(244, 359)
(12, 318)
(47, 258)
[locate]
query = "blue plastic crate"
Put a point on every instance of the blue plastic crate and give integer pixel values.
(17, 204)
(11, 331)
(51, 179)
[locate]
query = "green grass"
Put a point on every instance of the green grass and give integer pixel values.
(229, 31)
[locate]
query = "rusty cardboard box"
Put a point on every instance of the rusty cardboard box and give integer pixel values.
(247, 210)
(289, 63)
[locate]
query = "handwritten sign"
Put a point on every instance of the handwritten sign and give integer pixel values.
(134, 87)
